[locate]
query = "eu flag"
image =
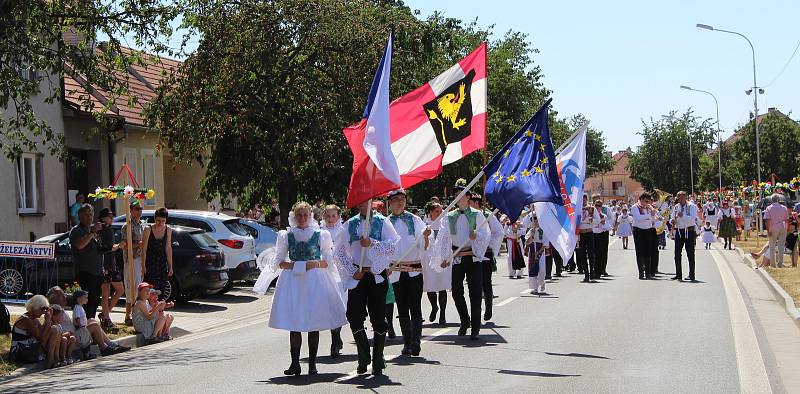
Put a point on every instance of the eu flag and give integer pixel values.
(524, 171)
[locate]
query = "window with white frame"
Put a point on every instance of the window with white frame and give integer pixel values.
(29, 184)
(148, 176)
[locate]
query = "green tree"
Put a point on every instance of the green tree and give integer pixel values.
(42, 41)
(662, 161)
(780, 149)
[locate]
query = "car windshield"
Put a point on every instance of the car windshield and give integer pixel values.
(204, 240)
(238, 228)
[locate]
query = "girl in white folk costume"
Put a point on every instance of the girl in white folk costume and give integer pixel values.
(332, 223)
(308, 295)
(708, 235)
(535, 246)
(435, 283)
(624, 227)
(516, 260)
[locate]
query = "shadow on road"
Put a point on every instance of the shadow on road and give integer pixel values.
(302, 380)
(580, 355)
(405, 361)
(230, 298)
(196, 307)
(72, 378)
(536, 374)
(370, 381)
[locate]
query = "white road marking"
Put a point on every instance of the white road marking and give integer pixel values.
(613, 241)
(752, 372)
(526, 291)
(352, 374)
(506, 301)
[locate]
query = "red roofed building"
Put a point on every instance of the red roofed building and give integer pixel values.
(616, 184)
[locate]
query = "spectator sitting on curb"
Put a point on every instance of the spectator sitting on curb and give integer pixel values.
(30, 339)
(169, 318)
(146, 319)
(56, 296)
(68, 346)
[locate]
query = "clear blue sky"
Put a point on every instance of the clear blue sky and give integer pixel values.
(622, 61)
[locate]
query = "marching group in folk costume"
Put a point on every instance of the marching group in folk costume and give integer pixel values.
(334, 273)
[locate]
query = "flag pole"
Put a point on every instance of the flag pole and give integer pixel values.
(365, 233)
(572, 137)
(444, 213)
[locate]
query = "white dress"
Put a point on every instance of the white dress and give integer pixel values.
(306, 300)
(708, 235)
(624, 227)
(432, 279)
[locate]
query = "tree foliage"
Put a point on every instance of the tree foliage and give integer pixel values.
(42, 41)
(780, 149)
(662, 161)
(263, 100)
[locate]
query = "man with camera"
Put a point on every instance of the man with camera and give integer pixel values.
(88, 263)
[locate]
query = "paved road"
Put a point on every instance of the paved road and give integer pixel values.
(619, 335)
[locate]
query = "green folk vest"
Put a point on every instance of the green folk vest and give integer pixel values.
(304, 251)
(375, 228)
(406, 218)
(470, 213)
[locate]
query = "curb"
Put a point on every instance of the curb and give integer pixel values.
(781, 295)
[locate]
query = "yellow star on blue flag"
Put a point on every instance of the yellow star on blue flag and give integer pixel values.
(520, 171)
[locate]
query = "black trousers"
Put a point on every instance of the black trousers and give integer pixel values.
(586, 255)
(601, 253)
(90, 283)
(487, 267)
(684, 239)
(556, 260)
(473, 272)
(646, 244)
(367, 296)
(408, 297)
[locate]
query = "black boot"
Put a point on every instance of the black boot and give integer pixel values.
(362, 345)
(378, 363)
(336, 342)
(295, 341)
(313, 345)
(487, 302)
(406, 330)
(416, 338)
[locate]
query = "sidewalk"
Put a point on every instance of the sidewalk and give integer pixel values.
(778, 332)
(196, 316)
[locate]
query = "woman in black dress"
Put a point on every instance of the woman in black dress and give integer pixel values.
(157, 259)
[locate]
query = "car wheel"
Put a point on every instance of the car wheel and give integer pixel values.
(171, 290)
(11, 282)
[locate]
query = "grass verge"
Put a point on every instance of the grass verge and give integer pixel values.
(789, 279)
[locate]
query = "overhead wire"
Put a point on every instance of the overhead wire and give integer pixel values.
(785, 66)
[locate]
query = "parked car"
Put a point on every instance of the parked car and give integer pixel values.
(264, 236)
(236, 244)
(198, 264)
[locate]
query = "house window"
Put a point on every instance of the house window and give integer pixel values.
(29, 184)
(148, 176)
(619, 190)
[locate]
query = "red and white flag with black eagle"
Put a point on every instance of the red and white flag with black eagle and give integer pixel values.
(441, 121)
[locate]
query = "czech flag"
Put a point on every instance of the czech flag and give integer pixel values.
(375, 169)
(441, 121)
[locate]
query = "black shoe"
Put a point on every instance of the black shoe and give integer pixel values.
(676, 277)
(558, 275)
(335, 350)
(312, 369)
(689, 279)
(391, 334)
(462, 330)
(641, 276)
(473, 336)
(406, 350)
(432, 317)
(415, 349)
(487, 303)
(442, 320)
(294, 369)
(585, 280)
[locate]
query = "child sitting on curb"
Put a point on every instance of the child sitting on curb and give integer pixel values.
(146, 318)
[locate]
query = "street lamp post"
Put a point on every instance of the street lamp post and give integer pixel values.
(719, 139)
(755, 90)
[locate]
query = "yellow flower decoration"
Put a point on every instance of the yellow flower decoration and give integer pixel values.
(150, 194)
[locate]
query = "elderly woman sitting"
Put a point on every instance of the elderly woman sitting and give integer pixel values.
(32, 341)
